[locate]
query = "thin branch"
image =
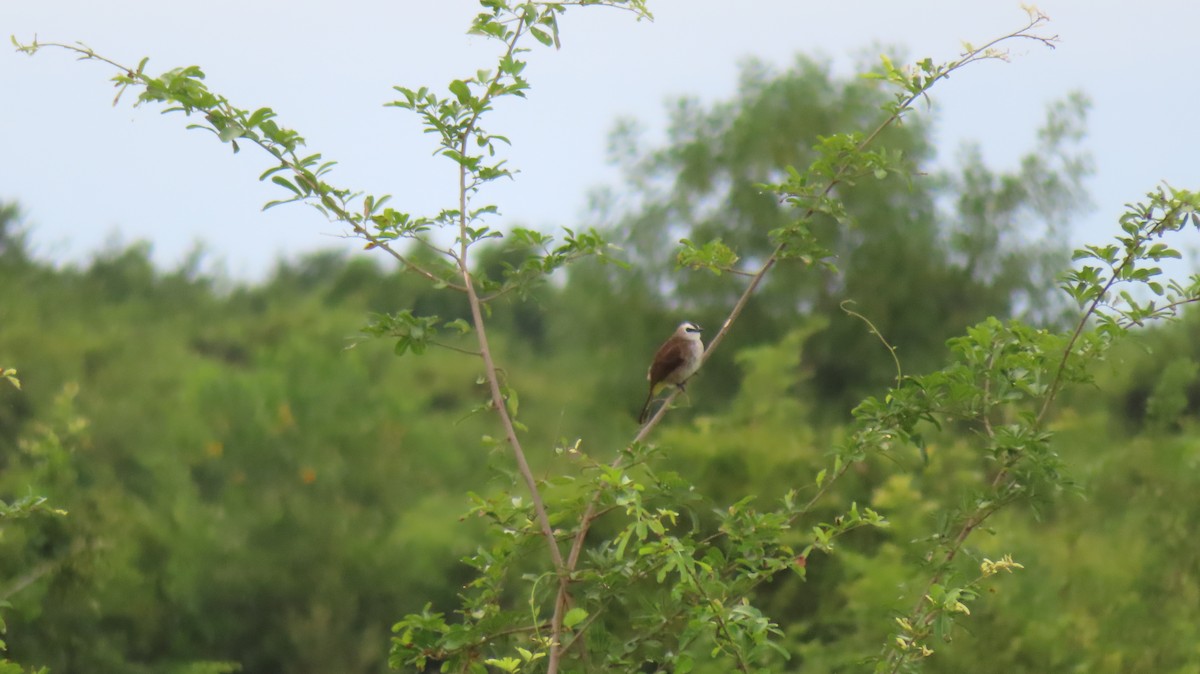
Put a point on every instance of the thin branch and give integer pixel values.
(987, 396)
(638, 7)
(722, 626)
(344, 215)
(977, 54)
(446, 252)
(33, 575)
(1094, 307)
(319, 190)
(984, 52)
(875, 331)
(477, 317)
(493, 379)
(456, 348)
(730, 270)
(30, 577)
(923, 617)
(498, 294)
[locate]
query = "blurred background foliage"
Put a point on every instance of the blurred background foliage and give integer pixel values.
(248, 481)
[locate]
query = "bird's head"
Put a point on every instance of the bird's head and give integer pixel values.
(688, 330)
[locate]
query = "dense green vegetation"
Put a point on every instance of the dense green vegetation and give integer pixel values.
(243, 487)
(250, 481)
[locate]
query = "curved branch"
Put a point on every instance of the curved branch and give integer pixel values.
(321, 192)
(987, 51)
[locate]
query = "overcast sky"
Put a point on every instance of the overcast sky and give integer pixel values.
(86, 173)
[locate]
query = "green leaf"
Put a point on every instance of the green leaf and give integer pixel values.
(512, 401)
(284, 182)
(574, 617)
(541, 36)
(460, 89)
(506, 664)
(11, 375)
(230, 132)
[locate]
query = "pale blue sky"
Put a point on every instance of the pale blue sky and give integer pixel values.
(86, 172)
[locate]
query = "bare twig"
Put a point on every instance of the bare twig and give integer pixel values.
(845, 306)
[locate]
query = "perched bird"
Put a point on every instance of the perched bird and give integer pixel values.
(674, 363)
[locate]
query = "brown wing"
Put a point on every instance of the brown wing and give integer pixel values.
(670, 357)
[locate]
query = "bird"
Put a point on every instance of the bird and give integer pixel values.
(675, 362)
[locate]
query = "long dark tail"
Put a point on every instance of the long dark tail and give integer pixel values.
(646, 408)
